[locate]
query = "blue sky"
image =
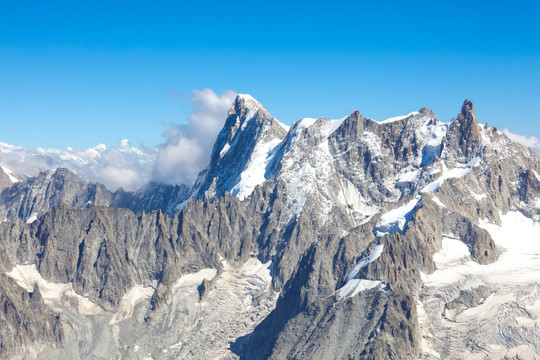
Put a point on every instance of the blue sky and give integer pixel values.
(79, 74)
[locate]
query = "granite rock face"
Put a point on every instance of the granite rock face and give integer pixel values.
(26, 323)
(35, 195)
(248, 137)
(321, 240)
(5, 181)
(464, 134)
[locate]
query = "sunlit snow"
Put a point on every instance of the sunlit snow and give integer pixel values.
(134, 296)
(511, 311)
(397, 118)
(28, 277)
(354, 286)
(255, 171)
(457, 172)
(32, 218)
(519, 262)
(194, 278)
(10, 174)
(223, 151)
(374, 255)
(396, 219)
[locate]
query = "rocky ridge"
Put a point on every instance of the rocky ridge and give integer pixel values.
(34, 196)
(351, 216)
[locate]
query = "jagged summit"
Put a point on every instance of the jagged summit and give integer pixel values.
(243, 103)
(242, 150)
(409, 238)
(467, 107)
(467, 119)
(254, 147)
(464, 133)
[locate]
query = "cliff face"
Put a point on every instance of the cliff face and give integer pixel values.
(324, 240)
(34, 196)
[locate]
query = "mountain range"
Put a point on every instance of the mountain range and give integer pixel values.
(409, 238)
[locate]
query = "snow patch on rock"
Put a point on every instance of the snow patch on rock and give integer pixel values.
(395, 220)
(11, 175)
(512, 307)
(351, 197)
(134, 296)
(32, 218)
(354, 286)
(28, 277)
(255, 172)
(194, 278)
(457, 172)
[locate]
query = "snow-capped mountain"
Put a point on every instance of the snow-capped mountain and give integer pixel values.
(244, 148)
(329, 239)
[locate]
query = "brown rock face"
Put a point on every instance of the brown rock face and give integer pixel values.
(464, 133)
(5, 182)
(317, 217)
(25, 320)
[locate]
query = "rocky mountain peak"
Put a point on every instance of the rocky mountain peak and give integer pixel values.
(464, 135)
(244, 103)
(466, 119)
(242, 150)
(352, 126)
(427, 112)
(365, 239)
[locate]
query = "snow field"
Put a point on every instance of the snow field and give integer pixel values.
(354, 286)
(505, 323)
(28, 277)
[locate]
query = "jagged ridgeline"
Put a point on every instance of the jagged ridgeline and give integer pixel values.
(329, 239)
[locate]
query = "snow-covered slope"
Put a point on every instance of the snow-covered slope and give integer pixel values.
(347, 238)
(495, 306)
(242, 152)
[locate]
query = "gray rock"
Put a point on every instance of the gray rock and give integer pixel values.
(469, 298)
(25, 320)
(326, 187)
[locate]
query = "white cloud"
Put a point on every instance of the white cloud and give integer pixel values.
(123, 166)
(188, 147)
(184, 153)
(533, 142)
(117, 177)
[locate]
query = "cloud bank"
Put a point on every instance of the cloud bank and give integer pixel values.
(184, 152)
(124, 166)
(533, 142)
(188, 147)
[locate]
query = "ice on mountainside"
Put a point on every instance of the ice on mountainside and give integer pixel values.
(458, 172)
(398, 118)
(32, 218)
(510, 307)
(354, 286)
(374, 255)
(28, 277)
(255, 171)
(396, 220)
(405, 238)
(12, 176)
(134, 296)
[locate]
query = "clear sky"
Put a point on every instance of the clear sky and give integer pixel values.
(80, 73)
